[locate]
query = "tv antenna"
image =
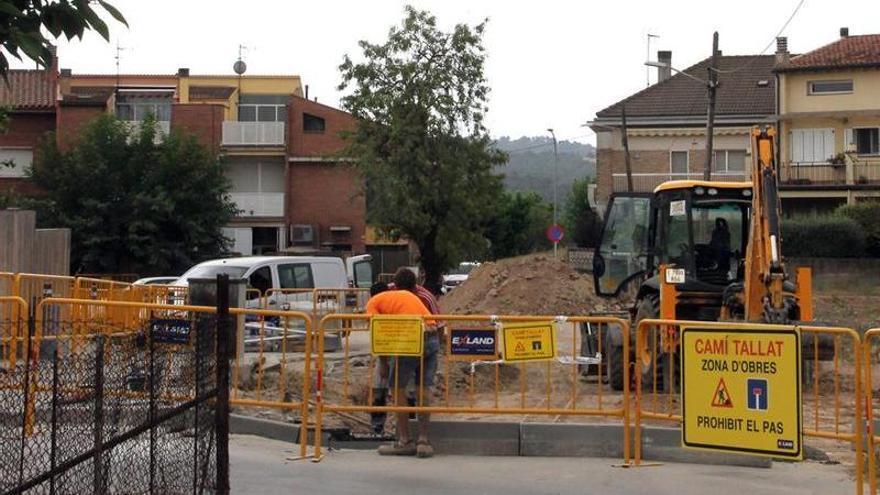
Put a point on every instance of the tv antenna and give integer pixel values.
(648, 69)
(118, 58)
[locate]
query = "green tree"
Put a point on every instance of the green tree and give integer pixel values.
(519, 225)
(582, 223)
(22, 25)
(134, 203)
(420, 143)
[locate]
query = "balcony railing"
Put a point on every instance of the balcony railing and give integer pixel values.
(856, 169)
(646, 182)
(253, 133)
(259, 204)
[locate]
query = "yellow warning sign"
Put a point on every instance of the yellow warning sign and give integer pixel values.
(741, 390)
(396, 335)
(721, 398)
(529, 341)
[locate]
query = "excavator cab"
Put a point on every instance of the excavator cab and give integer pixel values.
(698, 229)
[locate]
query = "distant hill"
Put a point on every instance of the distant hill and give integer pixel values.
(530, 165)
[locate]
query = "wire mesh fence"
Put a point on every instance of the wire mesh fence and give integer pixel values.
(125, 407)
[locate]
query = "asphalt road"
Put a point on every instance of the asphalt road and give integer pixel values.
(261, 467)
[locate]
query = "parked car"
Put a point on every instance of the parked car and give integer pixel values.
(458, 275)
(273, 275)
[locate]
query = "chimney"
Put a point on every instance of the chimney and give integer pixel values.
(782, 55)
(663, 73)
(307, 91)
(844, 32)
(64, 81)
(183, 72)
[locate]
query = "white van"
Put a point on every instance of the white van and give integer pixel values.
(287, 272)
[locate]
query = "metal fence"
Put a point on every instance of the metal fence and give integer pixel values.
(831, 377)
(133, 405)
(569, 385)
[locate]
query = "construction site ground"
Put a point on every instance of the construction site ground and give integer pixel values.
(539, 284)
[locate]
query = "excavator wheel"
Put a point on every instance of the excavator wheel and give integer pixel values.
(667, 365)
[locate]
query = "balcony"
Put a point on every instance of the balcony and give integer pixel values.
(253, 133)
(259, 204)
(861, 169)
(646, 182)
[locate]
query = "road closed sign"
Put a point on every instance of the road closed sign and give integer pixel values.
(741, 391)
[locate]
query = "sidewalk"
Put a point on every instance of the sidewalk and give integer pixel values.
(259, 466)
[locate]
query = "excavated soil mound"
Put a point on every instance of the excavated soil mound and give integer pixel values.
(535, 284)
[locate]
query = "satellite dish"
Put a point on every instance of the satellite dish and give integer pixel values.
(239, 67)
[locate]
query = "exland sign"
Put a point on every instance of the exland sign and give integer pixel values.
(741, 390)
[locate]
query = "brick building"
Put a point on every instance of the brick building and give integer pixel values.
(294, 191)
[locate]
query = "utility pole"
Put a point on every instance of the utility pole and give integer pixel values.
(555, 180)
(710, 117)
(629, 171)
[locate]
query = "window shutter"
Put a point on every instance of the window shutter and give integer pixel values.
(797, 145)
(828, 145)
(848, 143)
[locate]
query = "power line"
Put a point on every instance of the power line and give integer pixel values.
(755, 58)
(548, 143)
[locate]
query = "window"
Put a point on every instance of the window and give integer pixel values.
(312, 123)
(363, 274)
(295, 277)
(135, 107)
(811, 146)
(260, 280)
(829, 87)
(865, 141)
(678, 162)
(15, 162)
(263, 108)
(729, 161)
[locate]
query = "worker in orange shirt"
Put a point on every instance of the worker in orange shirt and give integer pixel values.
(419, 370)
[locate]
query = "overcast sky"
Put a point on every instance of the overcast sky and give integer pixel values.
(551, 63)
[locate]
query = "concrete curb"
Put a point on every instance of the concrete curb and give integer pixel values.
(523, 439)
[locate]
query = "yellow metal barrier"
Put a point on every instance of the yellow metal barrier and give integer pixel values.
(657, 337)
(337, 395)
(13, 321)
(133, 318)
(870, 353)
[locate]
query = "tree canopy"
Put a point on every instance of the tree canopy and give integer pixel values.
(519, 225)
(582, 222)
(420, 143)
(22, 23)
(134, 203)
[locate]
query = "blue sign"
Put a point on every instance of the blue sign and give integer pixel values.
(170, 330)
(472, 342)
(756, 391)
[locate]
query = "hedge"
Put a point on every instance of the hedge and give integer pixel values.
(827, 236)
(867, 215)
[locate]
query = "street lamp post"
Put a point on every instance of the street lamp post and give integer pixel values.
(555, 180)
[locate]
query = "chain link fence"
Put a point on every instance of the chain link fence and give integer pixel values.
(131, 409)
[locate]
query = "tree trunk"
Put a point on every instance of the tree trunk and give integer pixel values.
(430, 263)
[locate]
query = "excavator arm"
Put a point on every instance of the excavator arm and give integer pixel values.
(764, 279)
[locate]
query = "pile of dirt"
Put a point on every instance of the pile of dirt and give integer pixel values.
(535, 284)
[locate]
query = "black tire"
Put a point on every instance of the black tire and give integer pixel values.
(615, 366)
(667, 369)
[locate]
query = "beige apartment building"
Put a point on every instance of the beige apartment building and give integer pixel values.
(829, 120)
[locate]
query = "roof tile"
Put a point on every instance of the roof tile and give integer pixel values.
(28, 90)
(849, 51)
(739, 92)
